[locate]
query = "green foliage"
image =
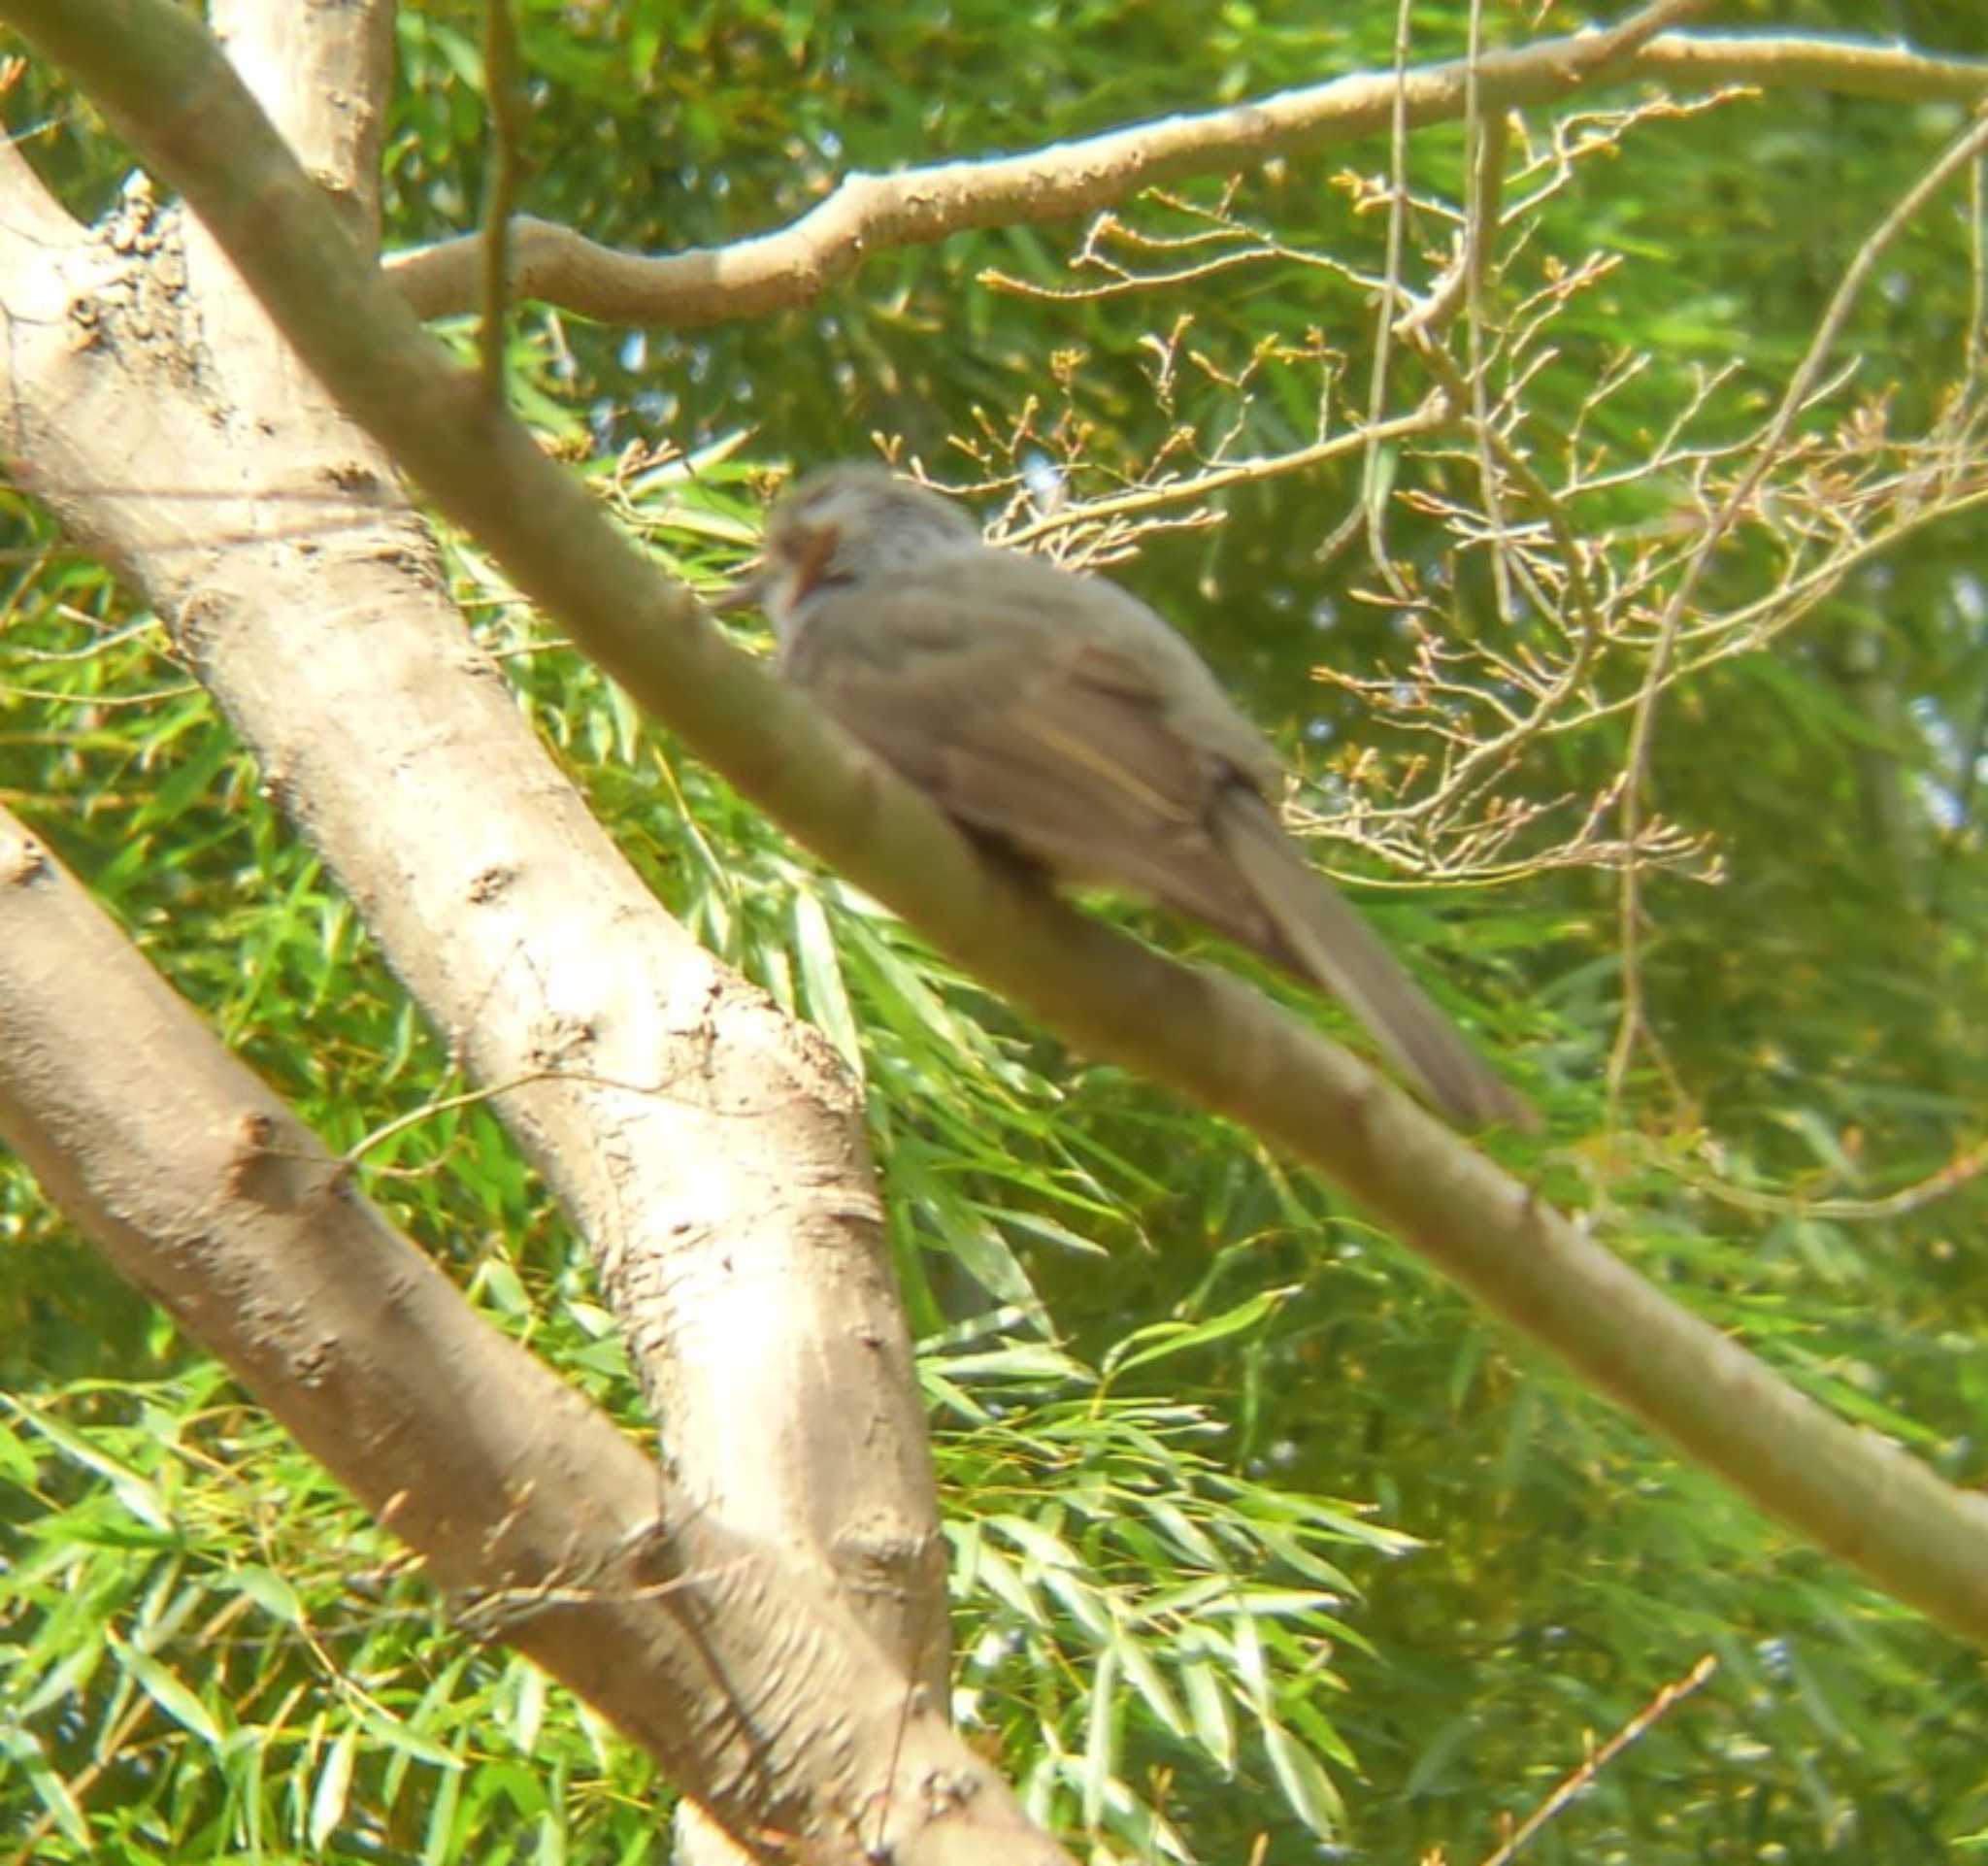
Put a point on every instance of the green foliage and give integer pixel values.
(1155, 1353)
(214, 1655)
(1136, 1618)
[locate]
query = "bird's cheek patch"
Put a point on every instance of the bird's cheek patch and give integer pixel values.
(812, 560)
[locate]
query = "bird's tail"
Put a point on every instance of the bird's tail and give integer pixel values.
(1320, 936)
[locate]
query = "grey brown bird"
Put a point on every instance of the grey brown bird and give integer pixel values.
(1060, 716)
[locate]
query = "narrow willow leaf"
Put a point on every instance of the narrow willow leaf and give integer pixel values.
(439, 1843)
(271, 1593)
(1306, 1787)
(1151, 1683)
(1002, 1580)
(1082, 1599)
(332, 1790)
(16, 1462)
(1285, 1602)
(1148, 1345)
(1181, 1529)
(165, 1690)
(143, 1499)
(1023, 1361)
(1100, 1744)
(1213, 1716)
(25, 1753)
(1051, 1232)
(528, 1713)
(821, 976)
(411, 1745)
(1042, 1545)
(70, 1677)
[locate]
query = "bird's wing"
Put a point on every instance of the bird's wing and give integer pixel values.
(1022, 718)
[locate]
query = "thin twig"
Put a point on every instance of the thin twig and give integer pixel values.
(1964, 148)
(503, 102)
(1659, 1707)
(1967, 1165)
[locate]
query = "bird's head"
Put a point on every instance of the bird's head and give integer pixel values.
(844, 526)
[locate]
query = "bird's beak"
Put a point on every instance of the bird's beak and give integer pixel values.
(745, 593)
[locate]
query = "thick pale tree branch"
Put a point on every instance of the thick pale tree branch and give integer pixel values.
(728, 1662)
(709, 1150)
(869, 213)
(1212, 1037)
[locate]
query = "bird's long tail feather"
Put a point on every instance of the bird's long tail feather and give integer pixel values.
(1326, 940)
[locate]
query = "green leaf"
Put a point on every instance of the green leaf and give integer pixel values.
(1305, 1785)
(821, 974)
(1100, 1738)
(168, 1693)
(1209, 1706)
(334, 1785)
(25, 1753)
(1157, 1342)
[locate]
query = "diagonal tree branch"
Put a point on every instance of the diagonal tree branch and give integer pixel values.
(727, 1660)
(1207, 1035)
(709, 1150)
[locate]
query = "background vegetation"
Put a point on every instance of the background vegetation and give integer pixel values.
(1262, 1534)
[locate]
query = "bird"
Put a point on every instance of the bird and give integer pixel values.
(1059, 717)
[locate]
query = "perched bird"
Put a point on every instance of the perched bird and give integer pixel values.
(1061, 718)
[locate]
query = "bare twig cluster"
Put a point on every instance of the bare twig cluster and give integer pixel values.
(1533, 561)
